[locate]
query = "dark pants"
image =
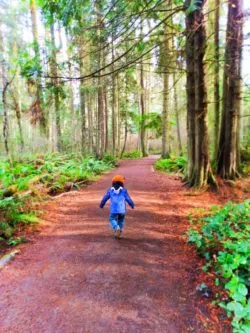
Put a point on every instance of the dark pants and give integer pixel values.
(116, 220)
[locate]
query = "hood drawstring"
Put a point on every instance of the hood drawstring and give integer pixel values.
(116, 191)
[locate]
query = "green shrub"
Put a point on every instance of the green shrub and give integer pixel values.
(14, 241)
(223, 238)
(132, 154)
(23, 180)
(172, 164)
(110, 159)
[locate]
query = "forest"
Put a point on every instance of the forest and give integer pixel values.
(98, 77)
(88, 87)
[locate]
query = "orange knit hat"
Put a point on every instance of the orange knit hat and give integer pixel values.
(118, 178)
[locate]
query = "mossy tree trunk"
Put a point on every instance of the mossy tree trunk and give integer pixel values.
(38, 109)
(166, 85)
(228, 151)
(56, 88)
(143, 112)
(216, 76)
(199, 169)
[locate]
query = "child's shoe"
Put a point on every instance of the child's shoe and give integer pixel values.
(118, 232)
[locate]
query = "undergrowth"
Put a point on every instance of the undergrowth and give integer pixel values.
(132, 154)
(25, 181)
(223, 238)
(245, 159)
(172, 164)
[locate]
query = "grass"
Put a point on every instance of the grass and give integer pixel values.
(25, 181)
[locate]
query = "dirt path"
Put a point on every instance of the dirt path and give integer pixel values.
(75, 278)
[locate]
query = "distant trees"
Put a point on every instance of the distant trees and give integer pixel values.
(96, 72)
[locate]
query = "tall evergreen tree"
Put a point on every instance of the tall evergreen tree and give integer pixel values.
(228, 151)
(199, 170)
(38, 108)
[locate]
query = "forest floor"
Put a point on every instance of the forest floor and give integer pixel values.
(74, 277)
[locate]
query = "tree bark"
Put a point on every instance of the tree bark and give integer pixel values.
(114, 106)
(126, 117)
(4, 90)
(100, 91)
(5, 114)
(165, 108)
(83, 118)
(82, 96)
(53, 65)
(216, 76)
(71, 96)
(38, 104)
(17, 100)
(125, 135)
(228, 151)
(177, 117)
(101, 119)
(106, 147)
(190, 89)
(143, 112)
(90, 123)
(199, 170)
(118, 146)
(17, 107)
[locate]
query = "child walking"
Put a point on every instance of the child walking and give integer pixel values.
(118, 196)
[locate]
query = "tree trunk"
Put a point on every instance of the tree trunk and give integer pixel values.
(190, 84)
(106, 147)
(199, 170)
(125, 135)
(118, 146)
(100, 91)
(165, 112)
(4, 90)
(101, 119)
(71, 96)
(143, 112)
(17, 107)
(82, 95)
(176, 106)
(17, 100)
(114, 106)
(83, 118)
(216, 76)
(54, 73)
(90, 123)
(38, 104)
(177, 118)
(228, 151)
(126, 117)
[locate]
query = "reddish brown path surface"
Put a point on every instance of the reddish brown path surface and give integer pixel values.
(76, 278)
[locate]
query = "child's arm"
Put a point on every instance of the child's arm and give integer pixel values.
(129, 200)
(105, 199)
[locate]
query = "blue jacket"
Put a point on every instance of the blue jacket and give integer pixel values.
(118, 199)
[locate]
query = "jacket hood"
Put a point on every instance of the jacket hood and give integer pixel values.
(117, 191)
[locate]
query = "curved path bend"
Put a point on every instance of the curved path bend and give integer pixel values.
(74, 277)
